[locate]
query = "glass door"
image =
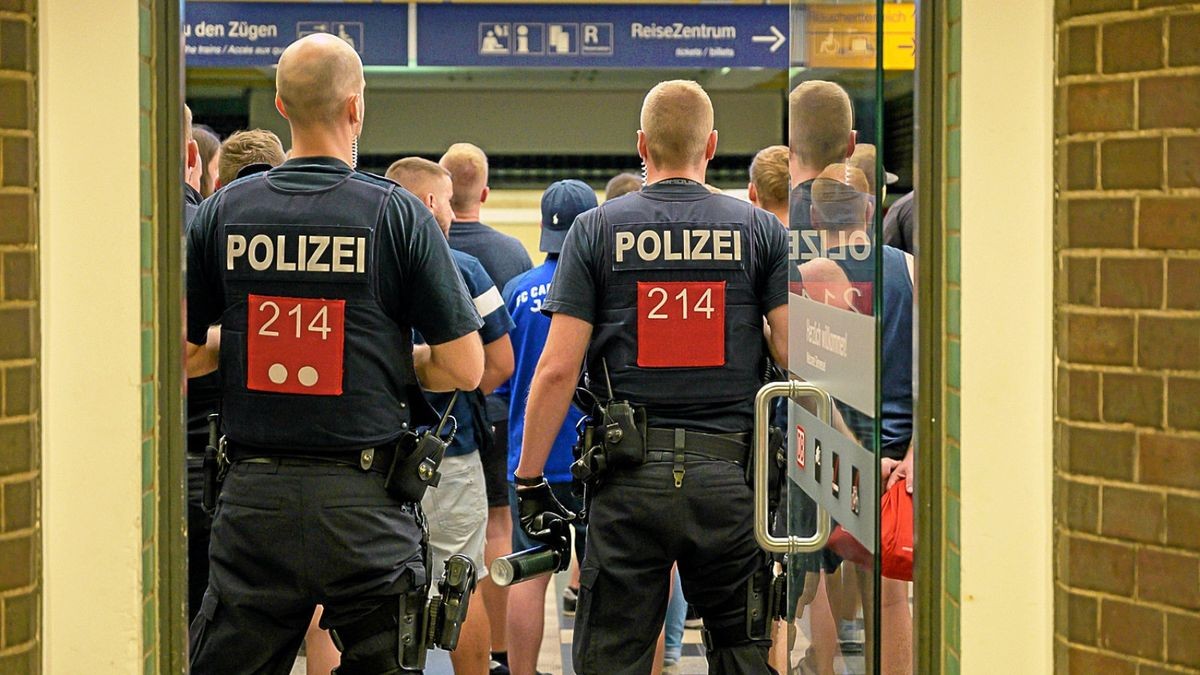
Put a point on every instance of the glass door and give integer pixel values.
(841, 419)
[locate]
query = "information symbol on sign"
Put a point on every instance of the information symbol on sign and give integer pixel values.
(350, 31)
(495, 39)
(596, 39)
(529, 39)
(562, 38)
(295, 345)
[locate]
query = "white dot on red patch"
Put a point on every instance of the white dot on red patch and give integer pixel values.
(308, 376)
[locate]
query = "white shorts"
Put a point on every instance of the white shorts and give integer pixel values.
(457, 514)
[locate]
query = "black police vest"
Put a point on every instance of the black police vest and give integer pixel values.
(310, 360)
(678, 317)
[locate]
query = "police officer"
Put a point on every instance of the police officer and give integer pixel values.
(663, 293)
(318, 274)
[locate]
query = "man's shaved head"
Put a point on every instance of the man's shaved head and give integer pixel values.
(316, 77)
(820, 118)
(677, 120)
(468, 167)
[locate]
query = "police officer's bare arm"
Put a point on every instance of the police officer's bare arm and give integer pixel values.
(777, 334)
(551, 390)
(203, 359)
(457, 364)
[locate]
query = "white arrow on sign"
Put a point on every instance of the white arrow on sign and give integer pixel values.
(777, 37)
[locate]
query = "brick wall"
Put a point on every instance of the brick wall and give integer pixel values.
(20, 539)
(1127, 465)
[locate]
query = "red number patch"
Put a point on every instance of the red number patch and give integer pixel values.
(295, 345)
(681, 324)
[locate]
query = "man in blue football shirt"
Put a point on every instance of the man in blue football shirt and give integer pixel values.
(523, 296)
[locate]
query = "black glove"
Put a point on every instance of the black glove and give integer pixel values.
(543, 518)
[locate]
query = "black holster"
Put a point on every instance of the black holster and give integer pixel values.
(448, 609)
(214, 465)
(766, 600)
(617, 441)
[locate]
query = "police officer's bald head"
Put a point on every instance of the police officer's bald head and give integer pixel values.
(317, 81)
(677, 125)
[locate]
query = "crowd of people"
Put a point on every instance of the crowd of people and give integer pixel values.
(337, 320)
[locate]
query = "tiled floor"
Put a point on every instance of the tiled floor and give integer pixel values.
(556, 645)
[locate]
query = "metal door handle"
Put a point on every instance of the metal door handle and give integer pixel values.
(762, 415)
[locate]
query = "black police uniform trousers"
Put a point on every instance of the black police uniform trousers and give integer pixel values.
(288, 535)
(199, 524)
(639, 523)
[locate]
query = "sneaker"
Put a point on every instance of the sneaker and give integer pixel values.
(570, 601)
(497, 668)
(851, 636)
(693, 620)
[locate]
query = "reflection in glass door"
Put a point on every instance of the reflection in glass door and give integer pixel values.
(844, 423)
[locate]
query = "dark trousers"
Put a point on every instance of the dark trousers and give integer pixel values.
(639, 524)
(289, 535)
(199, 526)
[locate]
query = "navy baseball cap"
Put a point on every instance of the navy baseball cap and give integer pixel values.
(561, 202)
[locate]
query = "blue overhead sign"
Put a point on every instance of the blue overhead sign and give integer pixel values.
(602, 36)
(254, 34)
(247, 34)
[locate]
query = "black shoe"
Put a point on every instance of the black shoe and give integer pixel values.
(498, 664)
(570, 601)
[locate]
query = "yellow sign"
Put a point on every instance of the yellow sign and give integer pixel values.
(844, 36)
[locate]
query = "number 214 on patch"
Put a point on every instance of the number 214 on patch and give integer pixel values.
(681, 324)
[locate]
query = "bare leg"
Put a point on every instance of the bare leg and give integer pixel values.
(321, 656)
(526, 621)
(471, 656)
(897, 656)
(495, 598)
(824, 631)
(850, 596)
(660, 647)
(778, 658)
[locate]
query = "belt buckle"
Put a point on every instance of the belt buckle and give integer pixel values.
(366, 459)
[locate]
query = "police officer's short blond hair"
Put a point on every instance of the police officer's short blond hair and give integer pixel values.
(468, 167)
(256, 146)
(769, 174)
(677, 119)
(820, 117)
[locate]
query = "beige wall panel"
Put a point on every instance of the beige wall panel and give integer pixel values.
(88, 103)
